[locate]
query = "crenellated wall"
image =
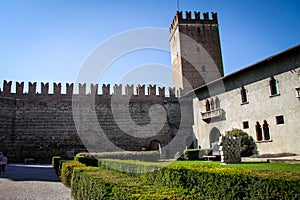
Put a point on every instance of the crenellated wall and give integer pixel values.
(196, 20)
(82, 88)
(39, 125)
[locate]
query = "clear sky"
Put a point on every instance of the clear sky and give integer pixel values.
(47, 41)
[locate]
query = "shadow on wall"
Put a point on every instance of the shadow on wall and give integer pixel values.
(17, 172)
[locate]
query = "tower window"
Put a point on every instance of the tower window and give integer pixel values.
(245, 125)
(244, 95)
(273, 86)
(279, 119)
(203, 69)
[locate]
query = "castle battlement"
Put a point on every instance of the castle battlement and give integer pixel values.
(141, 90)
(206, 19)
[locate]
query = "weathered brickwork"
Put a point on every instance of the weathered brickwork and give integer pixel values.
(40, 125)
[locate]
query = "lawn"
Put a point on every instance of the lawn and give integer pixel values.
(280, 167)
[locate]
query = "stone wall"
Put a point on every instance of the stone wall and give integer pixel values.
(41, 125)
(196, 50)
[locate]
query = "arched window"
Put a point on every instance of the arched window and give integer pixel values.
(212, 104)
(273, 86)
(244, 95)
(258, 132)
(266, 130)
(207, 106)
(217, 102)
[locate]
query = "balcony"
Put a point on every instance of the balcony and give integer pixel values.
(213, 114)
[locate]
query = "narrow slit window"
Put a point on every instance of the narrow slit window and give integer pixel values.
(273, 86)
(244, 95)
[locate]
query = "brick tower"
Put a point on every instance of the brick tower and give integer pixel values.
(196, 51)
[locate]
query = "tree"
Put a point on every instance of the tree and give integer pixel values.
(247, 142)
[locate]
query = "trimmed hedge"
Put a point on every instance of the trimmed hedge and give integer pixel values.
(88, 183)
(132, 167)
(88, 161)
(61, 162)
(144, 180)
(196, 154)
(228, 183)
(67, 171)
(80, 184)
(55, 163)
(223, 183)
(149, 156)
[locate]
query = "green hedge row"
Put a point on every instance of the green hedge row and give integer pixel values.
(228, 183)
(55, 163)
(196, 154)
(220, 182)
(132, 167)
(149, 156)
(93, 183)
(67, 171)
(117, 179)
(88, 161)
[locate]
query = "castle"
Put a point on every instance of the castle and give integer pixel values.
(40, 124)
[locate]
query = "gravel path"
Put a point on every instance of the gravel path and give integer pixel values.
(32, 182)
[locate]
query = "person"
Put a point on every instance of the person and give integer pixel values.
(1, 157)
(3, 163)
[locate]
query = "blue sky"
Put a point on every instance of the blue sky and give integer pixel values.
(47, 41)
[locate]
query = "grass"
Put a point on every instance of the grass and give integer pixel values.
(263, 166)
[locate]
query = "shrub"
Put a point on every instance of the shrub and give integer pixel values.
(55, 163)
(132, 167)
(247, 142)
(67, 170)
(80, 183)
(87, 160)
(91, 183)
(218, 182)
(60, 166)
(150, 156)
(196, 154)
